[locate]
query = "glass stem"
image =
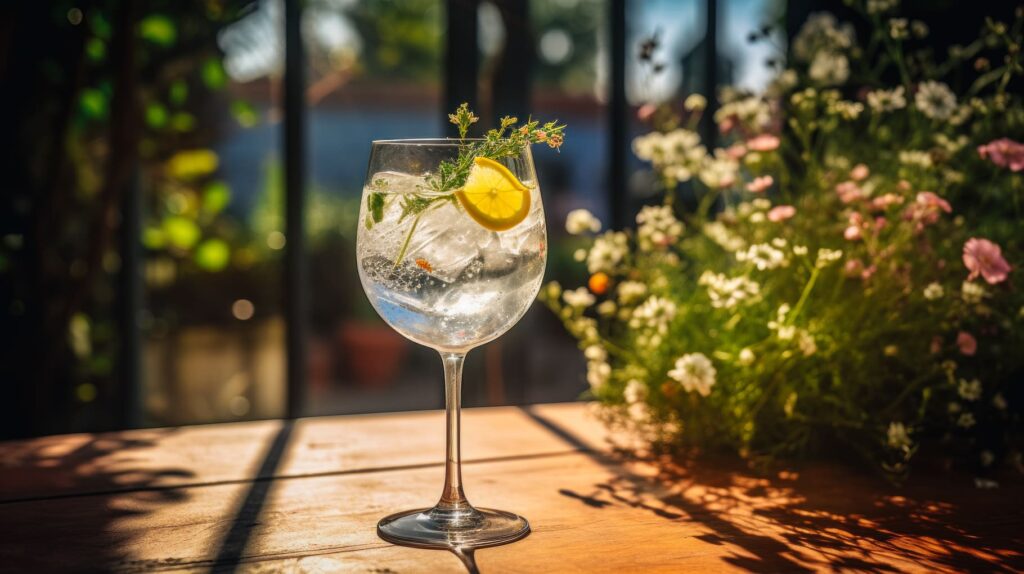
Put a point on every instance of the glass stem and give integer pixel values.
(453, 506)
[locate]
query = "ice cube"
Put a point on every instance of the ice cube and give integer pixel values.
(447, 241)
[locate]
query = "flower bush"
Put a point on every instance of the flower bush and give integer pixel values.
(845, 280)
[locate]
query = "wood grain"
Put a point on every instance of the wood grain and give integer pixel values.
(206, 498)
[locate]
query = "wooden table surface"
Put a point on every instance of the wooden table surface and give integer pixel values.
(305, 496)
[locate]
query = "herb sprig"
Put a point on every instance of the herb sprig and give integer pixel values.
(507, 140)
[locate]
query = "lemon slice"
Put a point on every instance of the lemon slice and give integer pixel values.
(493, 197)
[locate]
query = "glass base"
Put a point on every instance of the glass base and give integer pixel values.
(435, 528)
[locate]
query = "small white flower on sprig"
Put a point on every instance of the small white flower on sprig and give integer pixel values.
(728, 292)
(898, 436)
(631, 292)
(694, 372)
(763, 256)
(657, 227)
(966, 420)
(608, 252)
(934, 291)
(935, 100)
(580, 221)
(969, 390)
(579, 298)
(972, 293)
(887, 100)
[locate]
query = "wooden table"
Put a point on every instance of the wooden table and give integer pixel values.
(305, 496)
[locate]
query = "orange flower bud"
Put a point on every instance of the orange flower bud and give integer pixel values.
(599, 283)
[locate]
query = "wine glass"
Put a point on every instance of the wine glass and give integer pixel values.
(445, 280)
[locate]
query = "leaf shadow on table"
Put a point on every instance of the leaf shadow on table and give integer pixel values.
(817, 517)
(67, 494)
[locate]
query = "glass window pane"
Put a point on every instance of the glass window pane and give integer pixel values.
(212, 223)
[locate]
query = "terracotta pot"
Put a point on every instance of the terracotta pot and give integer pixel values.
(375, 352)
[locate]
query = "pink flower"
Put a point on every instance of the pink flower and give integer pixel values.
(849, 192)
(936, 345)
(853, 268)
(1004, 152)
(781, 213)
(967, 343)
(904, 185)
(860, 172)
(760, 184)
(926, 209)
(884, 201)
(982, 257)
(852, 233)
(736, 151)
(645, 112)
(763, 142)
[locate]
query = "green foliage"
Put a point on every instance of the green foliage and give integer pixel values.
(832, 304)
(158, 29)
(213, 255)
(181, 232)
(216, 196)
(213, 75)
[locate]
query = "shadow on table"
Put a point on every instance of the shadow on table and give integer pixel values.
(60, 498)
(819, 517)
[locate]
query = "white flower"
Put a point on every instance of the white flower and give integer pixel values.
(800, 250)
(653, 315)
(578, 298)
(966, 420)
(635, 392)
(580, 221)
(598, 373)
(607, 307)
(695, 103)
(898, 437)
(746, 357)
(752, 112)
(677, 154)
(969, 390)
(763, 256)
(720, 234)
(608, 251)
(899, 28)
(933, 291)
(887, 100)
(954, 407)
(879, 6)
(595, 353)
(916, 158)
(821, 33)
(726, 292)
(919, 28)
(999, 401)
(580, 254)
(657, 227)
(719, 171)
(829, 68)
(694, 372)
(846, 110)
(805, 342)
(631, 292)
(935, 100)
(972, 293)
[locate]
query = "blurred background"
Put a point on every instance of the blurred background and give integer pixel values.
(183, 177)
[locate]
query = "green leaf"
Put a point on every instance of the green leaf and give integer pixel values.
(156, 115)
(153, 238)
(213, 74)
(191, 164)
(158, 29)
(99, 24)
(181, 232)
(93, 103)
(95, 49)
(213, 254)
(178, 93)
(376, 204)
(183, 122)
(216, 197)
(244, 113)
